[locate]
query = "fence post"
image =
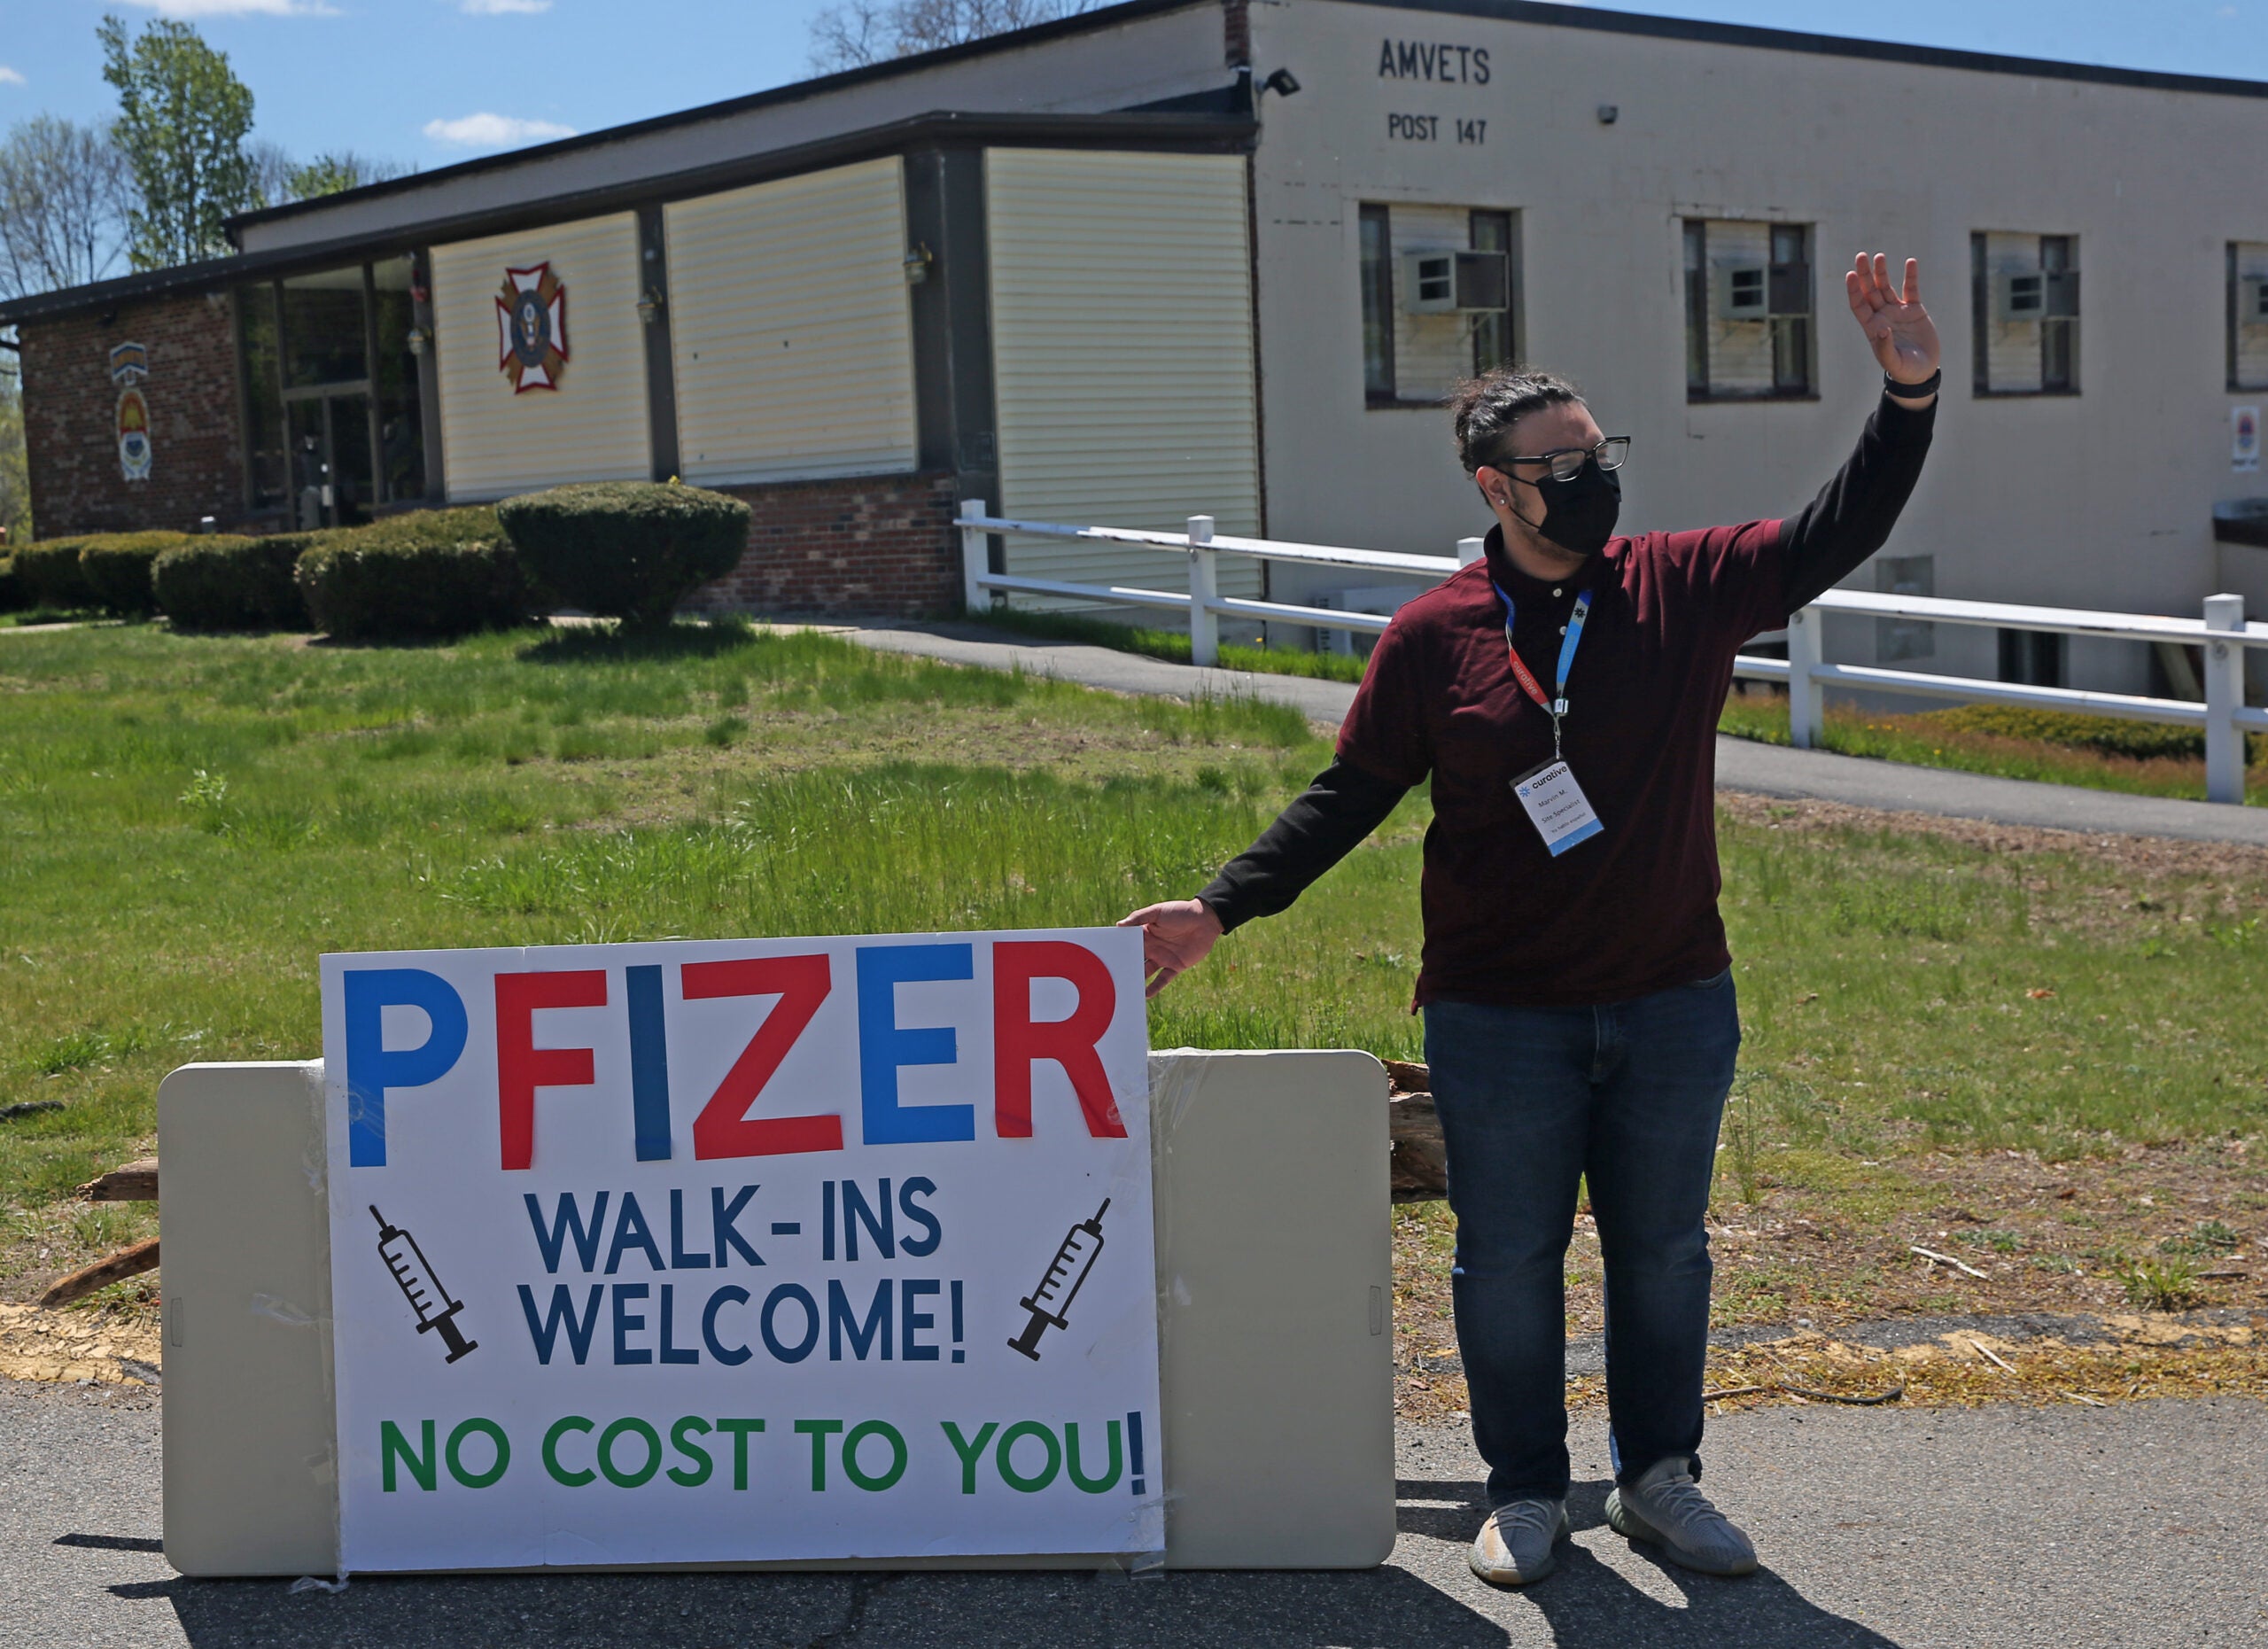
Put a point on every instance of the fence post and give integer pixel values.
(1204, 587)
(1805, 701)
(2223, 694)
(974, 562)
(1469, 550)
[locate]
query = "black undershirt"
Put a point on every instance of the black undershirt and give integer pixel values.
(1849, 521)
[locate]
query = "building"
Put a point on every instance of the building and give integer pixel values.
(1220, 256)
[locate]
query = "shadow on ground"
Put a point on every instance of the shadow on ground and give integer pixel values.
(1587, 1605)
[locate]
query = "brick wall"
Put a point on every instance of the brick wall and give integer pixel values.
(865, 544)
(71, 412)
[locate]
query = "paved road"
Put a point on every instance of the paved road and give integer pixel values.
(1992, 1529)
(1742, 764)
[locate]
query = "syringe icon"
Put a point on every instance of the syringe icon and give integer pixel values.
(1050, 1303)
(414, 1276)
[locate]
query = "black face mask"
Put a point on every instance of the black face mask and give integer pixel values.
(1578, 515)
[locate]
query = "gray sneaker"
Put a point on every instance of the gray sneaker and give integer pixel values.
(1669, 1508)
(1514, 1545)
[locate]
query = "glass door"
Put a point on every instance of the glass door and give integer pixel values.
(331, 471)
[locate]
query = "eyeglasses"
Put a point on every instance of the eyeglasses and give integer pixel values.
(1567, 462)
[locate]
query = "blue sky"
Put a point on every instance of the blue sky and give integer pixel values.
(429, 82)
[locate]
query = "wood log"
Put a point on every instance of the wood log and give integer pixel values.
(1404, 1075)
(1419, 1171)
(136, 1182)
(142, 1256)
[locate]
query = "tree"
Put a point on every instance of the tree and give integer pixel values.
(183, 118)
(277, 179)
(335, 172)
(63, 204)
(272, 167)
(853, 33)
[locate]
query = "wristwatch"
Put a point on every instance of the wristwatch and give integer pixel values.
(1927, 387)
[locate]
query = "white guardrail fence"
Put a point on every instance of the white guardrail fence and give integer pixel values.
(2221, 633)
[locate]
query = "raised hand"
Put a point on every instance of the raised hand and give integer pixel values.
(1176, 937)
(1903, 336)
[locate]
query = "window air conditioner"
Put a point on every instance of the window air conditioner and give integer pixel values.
(1453, 281)
(2252, 301)
(1383, 601)
(1744, 291)
(1756, 291)
(2019, 295)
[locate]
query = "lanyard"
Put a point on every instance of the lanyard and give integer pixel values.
(1555, 706)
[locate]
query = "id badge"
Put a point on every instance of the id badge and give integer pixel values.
(1556, 803)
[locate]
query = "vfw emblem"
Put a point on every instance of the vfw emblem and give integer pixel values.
(532, 328)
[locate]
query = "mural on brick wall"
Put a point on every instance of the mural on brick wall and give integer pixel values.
(532, 328)
(129, 365)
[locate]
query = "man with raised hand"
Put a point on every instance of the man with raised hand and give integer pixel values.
(1563, 693)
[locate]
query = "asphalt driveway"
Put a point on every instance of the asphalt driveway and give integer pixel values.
(1969, 1529)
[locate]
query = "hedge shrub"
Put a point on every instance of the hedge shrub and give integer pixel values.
(115, 567)
(627, 549)
(51, 576)
(436, 573)
(11, 587)
(218, 583)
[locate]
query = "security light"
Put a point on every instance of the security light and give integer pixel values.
(1283, 82)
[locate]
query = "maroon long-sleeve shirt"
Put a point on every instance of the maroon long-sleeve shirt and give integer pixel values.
(1633, 909)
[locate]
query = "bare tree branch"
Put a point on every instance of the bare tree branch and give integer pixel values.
(64, 198)
(855, 33)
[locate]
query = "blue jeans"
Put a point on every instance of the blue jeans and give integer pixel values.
(1530, 1099)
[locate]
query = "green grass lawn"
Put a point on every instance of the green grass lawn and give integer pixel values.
(186, 823)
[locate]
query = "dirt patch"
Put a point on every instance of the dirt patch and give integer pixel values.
(2145, 857)
(1834, 1242)
(111, 1346)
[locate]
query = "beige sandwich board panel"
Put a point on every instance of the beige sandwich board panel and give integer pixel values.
(1275, 1290)
(250, 1486)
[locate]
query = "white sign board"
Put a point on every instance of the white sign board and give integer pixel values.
(738, 1250)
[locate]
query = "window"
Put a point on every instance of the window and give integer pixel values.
(2033, 657)
(322, 329)
(2248, 314)
(2059, 327)
(263, 399)
(1748, 310)
(1492, 332)
(1897, 640)
(1438, 298)
(2023, 314)
(1696, 309)
(1378, 306)
(1789, 279)
(401, 449)
(333, 421)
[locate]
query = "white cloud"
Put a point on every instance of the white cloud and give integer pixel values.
(10, 77)
(502, 8)
(495, 131)
(190, 10)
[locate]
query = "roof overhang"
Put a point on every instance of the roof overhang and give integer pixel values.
(1013, 40)
(1185, 133)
